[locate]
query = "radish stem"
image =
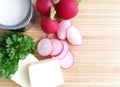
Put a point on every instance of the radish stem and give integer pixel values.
(55, 1)
(79, 2)
(52, 13)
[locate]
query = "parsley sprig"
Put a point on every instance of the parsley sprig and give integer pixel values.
(14, 47)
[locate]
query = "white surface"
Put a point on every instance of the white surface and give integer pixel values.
(47, 73)
(21, 77)
(13, 11)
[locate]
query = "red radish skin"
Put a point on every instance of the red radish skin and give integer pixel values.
(43, 7)
(57, 47)
(67, 9)
(74, 36)
(68, 61)
(44, 47)
(62, 28)
(64, 52)
(48, 25)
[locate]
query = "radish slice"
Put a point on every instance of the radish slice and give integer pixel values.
(67, 61)
(64, 52)
(44, 47)
(57, 47)
(74, 36)
(63, 26)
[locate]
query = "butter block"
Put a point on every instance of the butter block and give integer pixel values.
(21, 77)
(46, 73)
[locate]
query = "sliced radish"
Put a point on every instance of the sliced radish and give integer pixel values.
(57, 47)
(74, 36)
(64, 52)
(67, 61)
(44, 47)
(63, 26)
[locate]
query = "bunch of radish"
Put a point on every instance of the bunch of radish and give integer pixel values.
(49, 9)
(65, 9)
(58, 48)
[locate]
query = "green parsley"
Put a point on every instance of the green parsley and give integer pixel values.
(14, 47)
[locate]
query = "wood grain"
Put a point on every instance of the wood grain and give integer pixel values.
(97, 60)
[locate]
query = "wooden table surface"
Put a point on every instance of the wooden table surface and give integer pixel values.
(97, 60)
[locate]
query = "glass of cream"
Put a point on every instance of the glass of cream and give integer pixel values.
(16, 14)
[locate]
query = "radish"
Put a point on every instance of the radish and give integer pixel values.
(49, 25)
(64, 51)
(44, 47)
(67, 9)
(67, 61)
(62, 28)
(43, 7)
(74, 36)
(57, 47)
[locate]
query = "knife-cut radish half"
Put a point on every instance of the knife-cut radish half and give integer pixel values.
(74, 36)
(62, 28)
(57, 47)
(44, 47)
(67, 61)
(64, 51)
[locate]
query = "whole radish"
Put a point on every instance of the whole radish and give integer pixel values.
(67, 9)
(49, 24)
(43, 7)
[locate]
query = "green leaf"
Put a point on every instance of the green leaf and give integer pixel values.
(14, 37)
(1, 57)
(14, 47)
(19, 39)
(9, 41)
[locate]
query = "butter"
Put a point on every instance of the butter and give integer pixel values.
(46, 73)
(34, 73)
(21, 77)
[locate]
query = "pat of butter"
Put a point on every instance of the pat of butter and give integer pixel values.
(46, 73)
(21, 77)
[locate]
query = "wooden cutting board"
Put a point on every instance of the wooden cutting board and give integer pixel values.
(97, 60)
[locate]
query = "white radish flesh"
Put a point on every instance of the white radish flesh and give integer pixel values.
(44, 47)
(63, 26)
(64, 52)
(74, 36)
(57, 47)
(67, 61)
